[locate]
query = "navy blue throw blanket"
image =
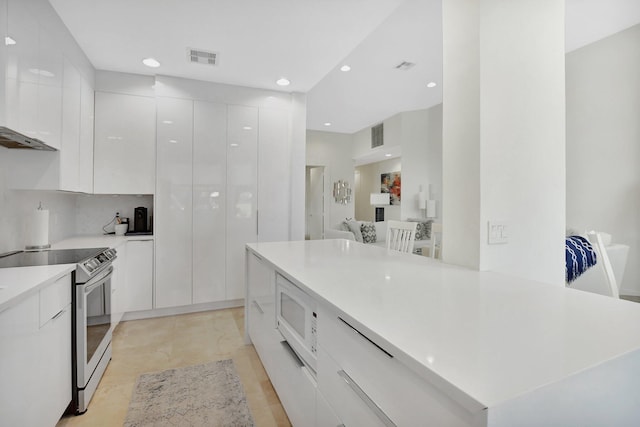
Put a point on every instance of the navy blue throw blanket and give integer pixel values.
(579, 257)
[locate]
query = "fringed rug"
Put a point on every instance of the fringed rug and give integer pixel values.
(202, 395)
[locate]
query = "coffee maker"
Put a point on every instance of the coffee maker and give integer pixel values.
(140, 220)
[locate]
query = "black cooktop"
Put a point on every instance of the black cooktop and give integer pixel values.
(49, 257)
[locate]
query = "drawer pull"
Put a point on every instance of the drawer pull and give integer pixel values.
(60, 313)
(365, 337)
(258, 307)
(366, 399)
(292, 353)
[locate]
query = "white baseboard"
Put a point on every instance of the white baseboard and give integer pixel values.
(184, 309)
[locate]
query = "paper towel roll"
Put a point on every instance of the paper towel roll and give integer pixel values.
(38, 234)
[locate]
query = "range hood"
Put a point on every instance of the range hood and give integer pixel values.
(12, 139)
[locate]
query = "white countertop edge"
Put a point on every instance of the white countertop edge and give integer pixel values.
(31, 279)
(458, 395)
(484, 398)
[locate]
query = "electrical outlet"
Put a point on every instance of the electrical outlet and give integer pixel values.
(498, 232)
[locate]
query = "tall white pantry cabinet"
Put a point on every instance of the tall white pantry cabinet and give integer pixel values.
(223, 180)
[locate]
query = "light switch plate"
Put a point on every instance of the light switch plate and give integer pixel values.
(498, 232)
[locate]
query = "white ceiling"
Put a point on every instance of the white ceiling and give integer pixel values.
(306, 41)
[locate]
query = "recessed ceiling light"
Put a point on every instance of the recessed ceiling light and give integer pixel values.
(283, 82)
(345, 68)
(431, 84)
(387, 155)
(151, 62)
(327, 123)
(8, 41)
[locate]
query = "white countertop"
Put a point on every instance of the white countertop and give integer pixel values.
(489, 336)
(20, 282)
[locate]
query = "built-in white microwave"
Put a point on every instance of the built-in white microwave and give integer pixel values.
(297, 320)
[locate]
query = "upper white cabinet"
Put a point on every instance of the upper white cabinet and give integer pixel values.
(48, 91)
(125, 140)
(86, 137)
(34, 76)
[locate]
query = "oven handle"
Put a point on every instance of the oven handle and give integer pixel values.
(97, 281)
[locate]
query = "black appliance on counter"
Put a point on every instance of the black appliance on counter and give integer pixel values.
(140, 220)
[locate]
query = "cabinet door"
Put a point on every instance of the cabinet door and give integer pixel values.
(274, 185)
(55, 366)
(173, 215)
(209, 207)
(86, 137)
(119, 286)
(124, 144)
(139, 275)
(70, 150)
(242, 203)
(19, 353)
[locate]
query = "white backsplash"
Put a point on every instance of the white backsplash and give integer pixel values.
(70, 214)
(17, 206)
(93, 212)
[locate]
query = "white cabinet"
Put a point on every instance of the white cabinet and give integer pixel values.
(173, 222)
(125, 140)
(242, 192)
(86, 137)
(139, 275)
(70, 150)
(36, 357)
(34, 77)
(119, 285)
(209, 196)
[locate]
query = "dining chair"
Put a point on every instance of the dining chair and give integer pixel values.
(401, 235)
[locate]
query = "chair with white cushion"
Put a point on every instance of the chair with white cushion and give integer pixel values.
(401, 235)
(436, 239)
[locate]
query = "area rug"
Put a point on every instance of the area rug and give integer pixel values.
(202, 395)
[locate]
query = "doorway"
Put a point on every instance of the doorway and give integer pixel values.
(314, 201)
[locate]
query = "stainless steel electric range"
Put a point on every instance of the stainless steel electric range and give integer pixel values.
(91, 312)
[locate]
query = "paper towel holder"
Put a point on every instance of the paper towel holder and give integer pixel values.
(46, 245)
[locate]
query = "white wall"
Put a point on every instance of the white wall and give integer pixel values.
(369, 182)
(93, 212)
(422, 159)
(332, 150)
(504, 135)
(603, 143)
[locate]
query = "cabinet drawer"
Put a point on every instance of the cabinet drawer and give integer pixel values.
(352, 407)
(401, 394)
(54, 298)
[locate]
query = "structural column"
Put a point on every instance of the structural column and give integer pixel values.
(504, 136)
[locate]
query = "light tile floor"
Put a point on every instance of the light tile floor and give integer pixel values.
(151, 345)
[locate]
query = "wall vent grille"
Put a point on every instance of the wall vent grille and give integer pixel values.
(200, 56)
(377, 135)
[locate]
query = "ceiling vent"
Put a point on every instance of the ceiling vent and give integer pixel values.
(200, 56)
(377, 135)
(404, 65)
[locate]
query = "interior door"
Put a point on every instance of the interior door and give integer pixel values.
(315, 203)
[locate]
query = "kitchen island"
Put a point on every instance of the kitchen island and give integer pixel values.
(462, 347)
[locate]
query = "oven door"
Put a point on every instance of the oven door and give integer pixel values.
(93, 324)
